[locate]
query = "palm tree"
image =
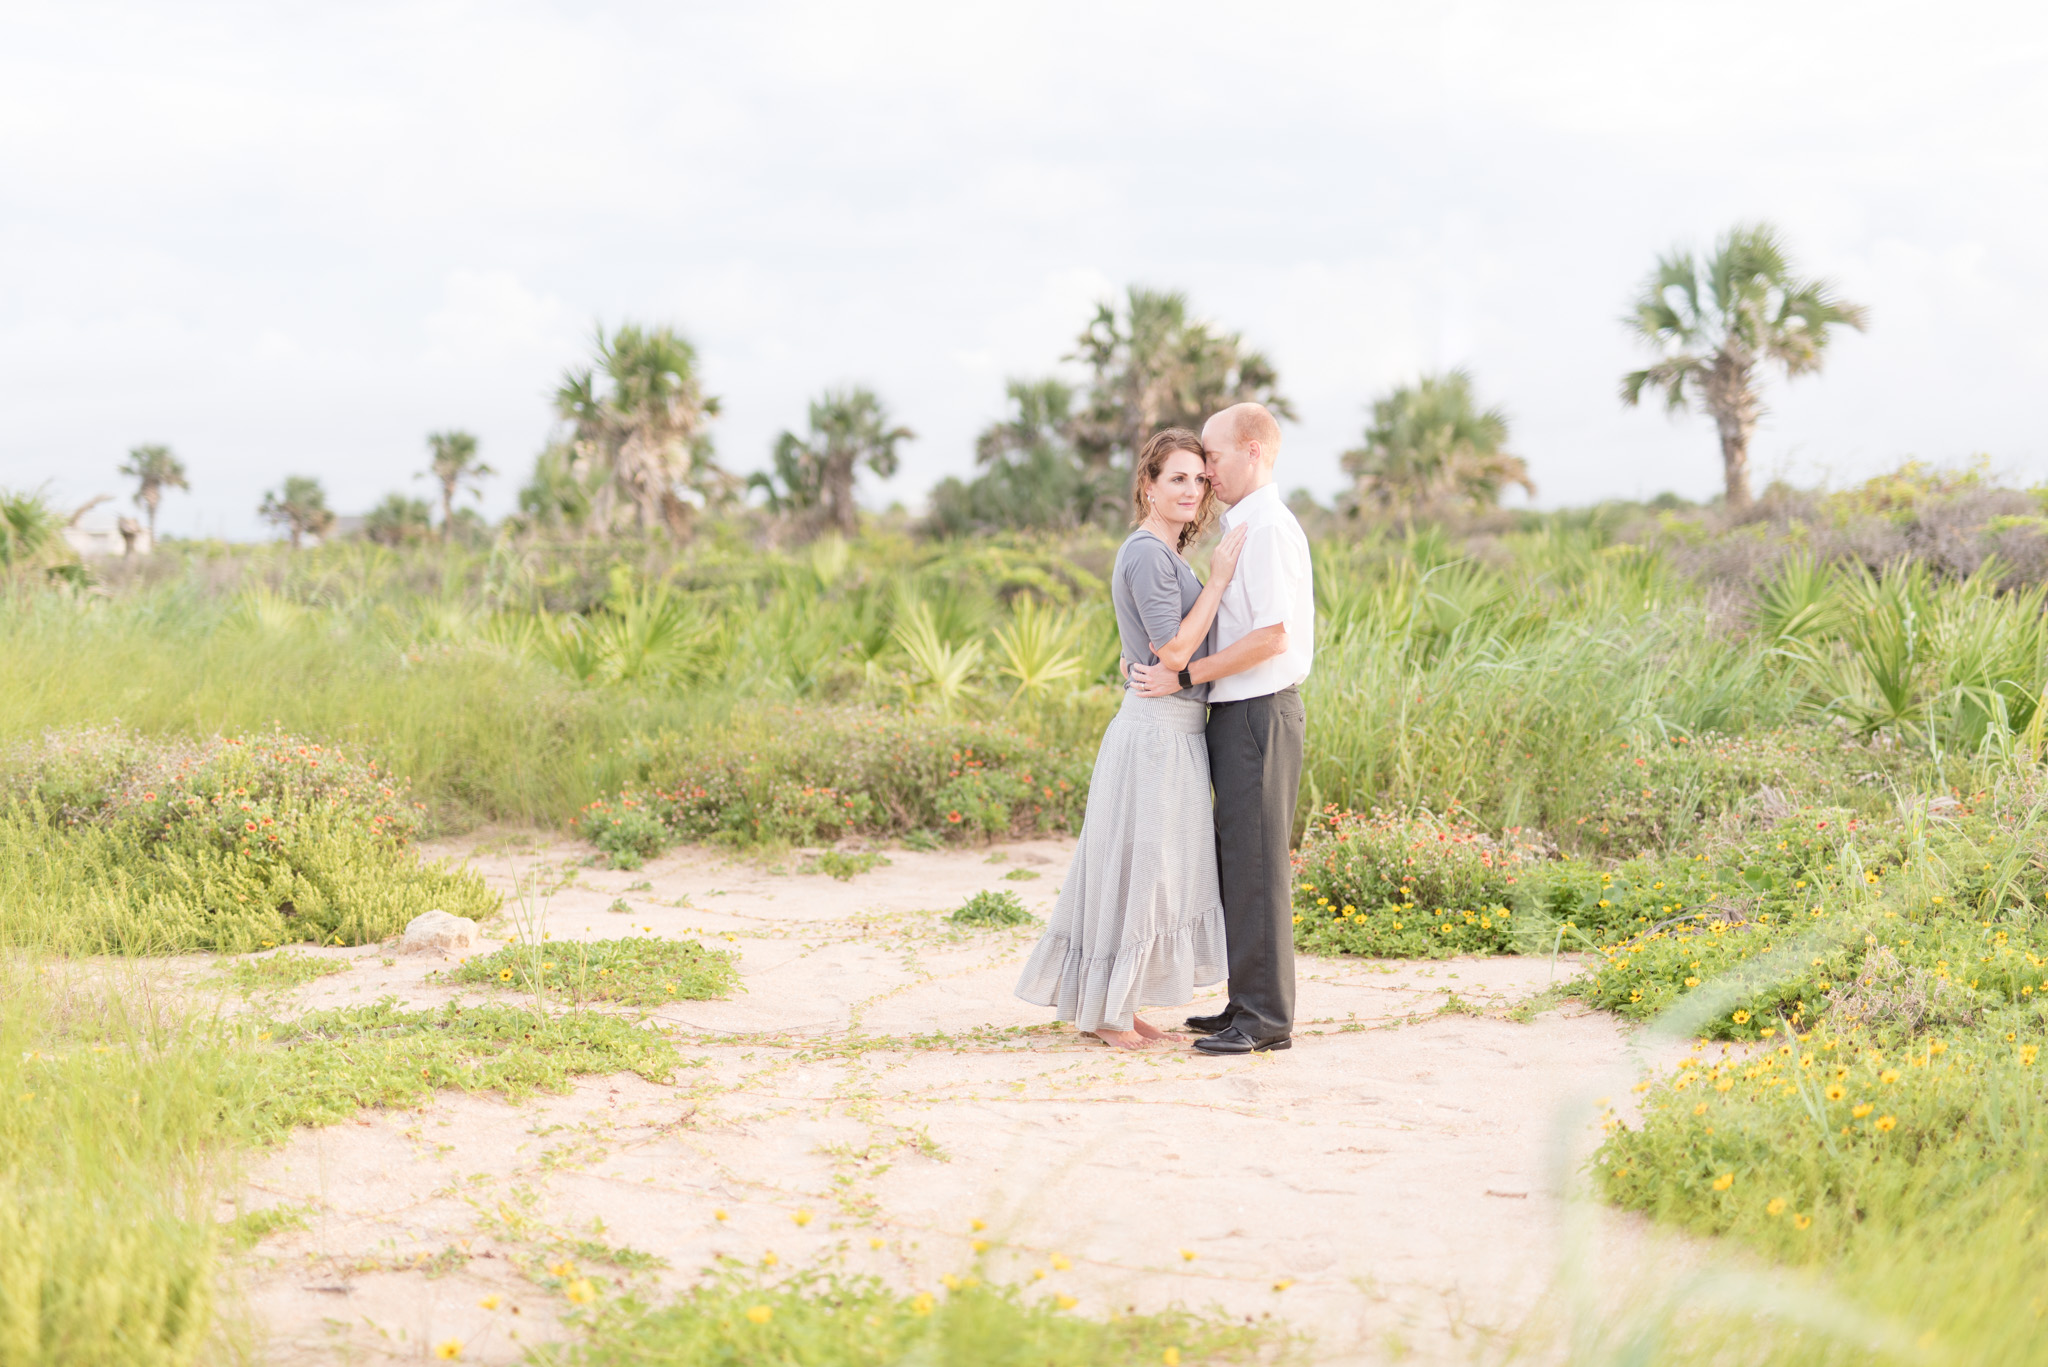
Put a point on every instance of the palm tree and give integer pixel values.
(300, 508)
(849, 428)
(554, 496)
(1155, 367)
(1715, 322)
(453, 462)
(154, 469)
(638, 418)
(1430, 444)
(1032, 476)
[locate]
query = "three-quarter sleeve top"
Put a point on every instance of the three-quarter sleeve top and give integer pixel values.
(1154, 590)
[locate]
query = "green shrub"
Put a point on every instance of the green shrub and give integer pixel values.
(627, 833)
(88, 889)
(114, 842)
(815, 775)
(1420, 886)
(843, 866)
(635, 972)
(993, 908)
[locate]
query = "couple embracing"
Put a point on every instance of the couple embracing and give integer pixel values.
(1171, 890)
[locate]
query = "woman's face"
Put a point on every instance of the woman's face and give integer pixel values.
(1177, 492)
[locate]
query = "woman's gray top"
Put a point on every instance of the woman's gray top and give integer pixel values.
(1154, 591)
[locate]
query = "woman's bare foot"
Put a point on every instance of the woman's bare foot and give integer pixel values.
(1141, 1026)
(1122, 1039)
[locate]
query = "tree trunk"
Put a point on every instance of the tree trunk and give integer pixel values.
(1730, 393)
(1735, 466)
(839, 496)
(149, 500)
(447, 512)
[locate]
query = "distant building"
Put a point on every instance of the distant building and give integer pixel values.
(101, 533)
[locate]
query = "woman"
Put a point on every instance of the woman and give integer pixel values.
(1139, 920)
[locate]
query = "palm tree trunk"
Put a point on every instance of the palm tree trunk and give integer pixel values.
(839, 496)
(149, 500)
(447, 512)
(1730, 394)
(1735, 466)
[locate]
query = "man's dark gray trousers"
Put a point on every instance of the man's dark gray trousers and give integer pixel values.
(1255, 749)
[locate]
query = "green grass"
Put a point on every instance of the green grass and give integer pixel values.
(825, 1320)
(327, 1065)
(630, 972)
(284, 969)
(125, 1115)
(992, 908)
(842, 866)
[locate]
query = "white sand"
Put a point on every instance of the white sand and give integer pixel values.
(1398, 1166)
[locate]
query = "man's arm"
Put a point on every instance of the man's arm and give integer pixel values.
(1256, 647)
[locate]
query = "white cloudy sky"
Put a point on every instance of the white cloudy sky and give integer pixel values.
(296, 238)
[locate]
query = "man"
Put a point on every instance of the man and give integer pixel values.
(1264, 642)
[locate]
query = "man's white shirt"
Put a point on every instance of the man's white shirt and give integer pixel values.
(1274, 583)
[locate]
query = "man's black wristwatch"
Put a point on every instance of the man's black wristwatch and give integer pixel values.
(1186, 679)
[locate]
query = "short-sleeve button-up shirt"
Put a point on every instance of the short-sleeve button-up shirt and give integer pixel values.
(1274, 583)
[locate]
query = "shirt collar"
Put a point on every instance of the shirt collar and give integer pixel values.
(1250, 504)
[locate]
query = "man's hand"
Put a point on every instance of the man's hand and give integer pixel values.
(1155, 681)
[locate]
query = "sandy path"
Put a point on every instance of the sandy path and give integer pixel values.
(1393, 1169)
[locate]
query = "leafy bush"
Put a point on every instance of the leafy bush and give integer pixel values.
(113, 842)
(1820, 1139)
(1663, 795)
(812, 776)
(993, 909)
(1420, 886)
(842, 866)
(625, 830)
(636, 972)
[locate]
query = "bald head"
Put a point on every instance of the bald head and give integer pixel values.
(1251, 422)
(1239, 446)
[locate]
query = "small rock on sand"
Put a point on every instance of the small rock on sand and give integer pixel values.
(437, 932)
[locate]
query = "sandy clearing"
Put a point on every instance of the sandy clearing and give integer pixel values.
(1396, 1167)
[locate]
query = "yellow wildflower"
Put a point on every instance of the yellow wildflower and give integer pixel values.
(1801, 1221)
(1861, 1109)
(1776, 1207)
(921, 1304)
(1886, 1122)
(581, 1292)
(1065, 1302)
(447, 1350)
(761, 1314)
(1724, 1181)
(801, 1218)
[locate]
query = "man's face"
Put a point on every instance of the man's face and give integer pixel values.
(1226, 462)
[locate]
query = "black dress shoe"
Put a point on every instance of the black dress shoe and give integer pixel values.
(1236, 1041)
(1209, 1025)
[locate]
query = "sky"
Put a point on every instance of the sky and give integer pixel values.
(294, 239)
